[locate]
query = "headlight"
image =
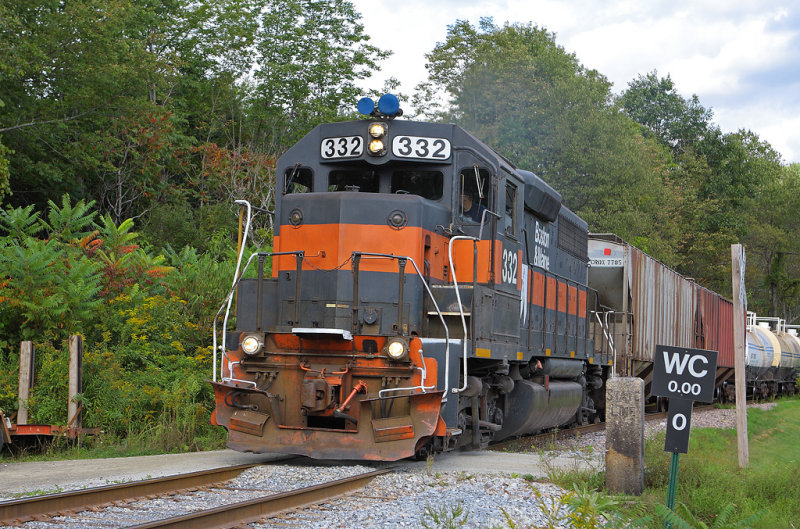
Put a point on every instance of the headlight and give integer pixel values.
(252, 344)
(377, 129)
(397, 350)
(377, 148)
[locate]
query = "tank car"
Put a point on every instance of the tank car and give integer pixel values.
(771, 357)
(422, 294)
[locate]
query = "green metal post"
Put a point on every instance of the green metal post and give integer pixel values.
(673, 485)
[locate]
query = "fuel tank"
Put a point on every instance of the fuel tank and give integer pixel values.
(534, 407)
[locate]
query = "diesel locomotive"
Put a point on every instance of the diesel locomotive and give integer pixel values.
(422, 294)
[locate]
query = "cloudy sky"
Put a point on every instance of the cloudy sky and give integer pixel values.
(741, 58)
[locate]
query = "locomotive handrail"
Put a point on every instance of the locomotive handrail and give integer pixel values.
(229, 298)
(460, 307)
(609, 338)
(356, 257)
(483, 222)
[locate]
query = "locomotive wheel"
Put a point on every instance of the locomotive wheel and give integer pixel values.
(424, 449)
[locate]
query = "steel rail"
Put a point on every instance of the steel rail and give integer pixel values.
(252, 510)
(29, 508)
(531, 440)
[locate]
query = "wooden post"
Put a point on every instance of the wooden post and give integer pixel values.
(26, 358)
(738, 263)
(75, 380)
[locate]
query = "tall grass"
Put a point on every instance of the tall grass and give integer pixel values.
(709, 477)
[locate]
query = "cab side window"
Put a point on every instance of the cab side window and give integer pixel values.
(511, 209)
(474, 194)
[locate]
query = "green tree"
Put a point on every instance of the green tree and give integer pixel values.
(520, 92)
(311, 53)
(718, 177)
(727, 196)
(773, 247)
(655, 104)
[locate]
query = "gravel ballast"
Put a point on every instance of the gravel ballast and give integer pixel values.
(489, 487)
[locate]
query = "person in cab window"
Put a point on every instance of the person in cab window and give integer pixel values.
(471, 209)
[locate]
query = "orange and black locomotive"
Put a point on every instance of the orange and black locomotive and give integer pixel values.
(424, 294)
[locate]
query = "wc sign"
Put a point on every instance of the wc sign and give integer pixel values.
(684, 376)
(680, 373)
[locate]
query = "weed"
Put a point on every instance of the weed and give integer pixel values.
(444, 516)
(683, 518)
(463, 476)
(37, 492)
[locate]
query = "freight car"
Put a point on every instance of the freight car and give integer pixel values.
(645, 303)
(772, 358)
(424, 294)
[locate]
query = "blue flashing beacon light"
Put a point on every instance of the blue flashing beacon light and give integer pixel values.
(366, 106)
(388, 105)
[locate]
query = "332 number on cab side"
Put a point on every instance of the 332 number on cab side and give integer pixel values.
(509, 266)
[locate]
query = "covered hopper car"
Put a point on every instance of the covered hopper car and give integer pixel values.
(645, 303)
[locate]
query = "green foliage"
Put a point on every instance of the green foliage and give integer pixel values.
(683, 518)
(20, 223)
(135, 104)
(311, 53)
(709, 480)
(580, 508)
(445, 516)
(145, 356)
(48, 290)
(202, 282)
(67, 223)
(9, 376)
(523, 94)
(589, 508)
(774, 249)
(657, 106)
(48, 401)
(5, 152)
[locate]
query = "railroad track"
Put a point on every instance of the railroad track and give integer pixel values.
(530, 441)
(135, 496)
(253, 510)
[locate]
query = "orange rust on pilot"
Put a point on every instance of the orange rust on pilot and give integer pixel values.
(365, 433)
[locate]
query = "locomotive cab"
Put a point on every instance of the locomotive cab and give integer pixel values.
(423, 294)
